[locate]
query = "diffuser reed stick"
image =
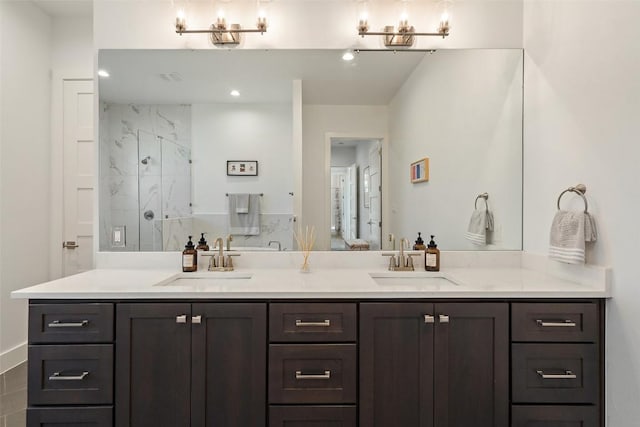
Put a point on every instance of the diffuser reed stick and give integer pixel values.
(305, 244)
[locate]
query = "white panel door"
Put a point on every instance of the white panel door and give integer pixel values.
(375, 198)
(78, 164)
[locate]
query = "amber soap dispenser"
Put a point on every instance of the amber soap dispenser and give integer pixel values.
(432, 256)
(189, 258)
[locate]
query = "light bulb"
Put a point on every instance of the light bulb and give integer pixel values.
(181, 21)
(103, 73)
(235, 93)
(348, 56)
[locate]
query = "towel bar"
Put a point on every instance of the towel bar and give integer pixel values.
(579, 189)
(261, 194)
(484, 196)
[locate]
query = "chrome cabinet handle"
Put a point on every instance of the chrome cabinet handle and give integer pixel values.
(59, 324)
(556, 323)
(444, 318)
(429, 318)
(568, 375)
(301, 376)
(181, 319)
(324, 324)
(57, 376)
(196, 320)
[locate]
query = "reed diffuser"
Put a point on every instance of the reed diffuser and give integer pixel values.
(305, 244)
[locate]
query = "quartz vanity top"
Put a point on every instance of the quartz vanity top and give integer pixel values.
(320, 283)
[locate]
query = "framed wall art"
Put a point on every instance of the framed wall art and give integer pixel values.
(242, 167)
(420, 170)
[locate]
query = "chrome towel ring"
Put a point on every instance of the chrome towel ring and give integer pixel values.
(484, 196)
(579, 189)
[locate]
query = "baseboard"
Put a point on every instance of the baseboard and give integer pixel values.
(13, 357)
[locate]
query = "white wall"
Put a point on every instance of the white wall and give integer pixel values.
(326, 24)
(318, 121)
(342, 156)
(582, 102)
(25, 87)
(463, 110)
(261, 132)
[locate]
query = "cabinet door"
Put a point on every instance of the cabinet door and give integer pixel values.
(153, 365)
(396, 365)
(472, 364)
(229, 365)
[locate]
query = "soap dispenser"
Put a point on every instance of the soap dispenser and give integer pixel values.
(189, 257)
(202, 244)
(419, 245)
(432, 256)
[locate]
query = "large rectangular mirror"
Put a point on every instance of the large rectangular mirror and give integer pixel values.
(172, 134)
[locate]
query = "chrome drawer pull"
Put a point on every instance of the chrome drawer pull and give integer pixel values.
(429, 318)
(196, 320)
(59, 324)
(324, 324)
(568, 375)
(444, 318)
(181, 319)
(57, 376)
(325, 376)
(556, 323)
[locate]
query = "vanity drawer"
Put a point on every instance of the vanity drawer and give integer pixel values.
(312, 322)
(70, 417)
(555, 373)
(70, 323)
(555, 322)
(312, 416)
(554, 416)
(312, 373)
(70, 374)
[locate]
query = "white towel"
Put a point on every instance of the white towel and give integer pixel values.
(569, 232)
(242, 203)
(247, 224)
(480, 227)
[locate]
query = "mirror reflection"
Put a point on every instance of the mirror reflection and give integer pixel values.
(171, 130)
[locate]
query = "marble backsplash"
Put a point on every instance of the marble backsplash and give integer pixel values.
(273, 227)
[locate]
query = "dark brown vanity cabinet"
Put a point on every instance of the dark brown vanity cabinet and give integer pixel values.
(442, 364)
(556, 364)
(190, 364)
(70, 379)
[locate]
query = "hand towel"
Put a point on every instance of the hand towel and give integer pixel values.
(247, 224)
(242, 203)
(569, 232)
(480, 226)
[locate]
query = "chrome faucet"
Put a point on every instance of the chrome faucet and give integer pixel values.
(404, 261)
(275, 241)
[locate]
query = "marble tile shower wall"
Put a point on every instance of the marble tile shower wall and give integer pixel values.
(130, 188)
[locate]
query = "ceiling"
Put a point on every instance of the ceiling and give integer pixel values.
(261, 76)
(59, 8)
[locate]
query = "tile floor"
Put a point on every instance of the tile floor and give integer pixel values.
(13, 397)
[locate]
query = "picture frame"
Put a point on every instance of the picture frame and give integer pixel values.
(419, 170)
(242, 168)
(366, 180)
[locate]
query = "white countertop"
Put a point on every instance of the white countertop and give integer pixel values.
(324, 283)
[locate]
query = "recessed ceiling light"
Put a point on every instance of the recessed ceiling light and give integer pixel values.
(348, 56)
(103, 73)
(235, 93)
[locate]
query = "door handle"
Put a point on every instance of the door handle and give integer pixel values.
(444, 318)
(181, 319)
(70, 244)
(429, 318)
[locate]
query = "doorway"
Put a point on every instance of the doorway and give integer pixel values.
(355, 193)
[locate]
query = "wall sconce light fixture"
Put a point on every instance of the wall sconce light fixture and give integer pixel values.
(221, 33)
(405, 35)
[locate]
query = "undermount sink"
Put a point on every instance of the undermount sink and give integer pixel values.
(415, 280)
(207, 278)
